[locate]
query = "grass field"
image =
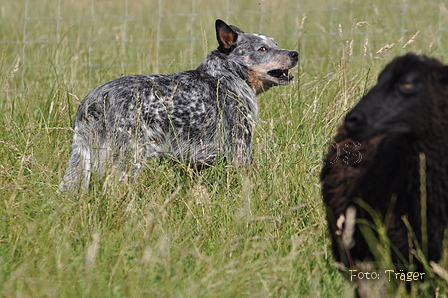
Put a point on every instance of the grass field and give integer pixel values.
(230, 232)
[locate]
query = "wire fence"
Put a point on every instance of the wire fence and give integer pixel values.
(29, 26)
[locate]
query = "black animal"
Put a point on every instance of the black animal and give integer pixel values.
(194, 116)
(392, 152)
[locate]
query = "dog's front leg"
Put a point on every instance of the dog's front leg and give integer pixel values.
(242, 151)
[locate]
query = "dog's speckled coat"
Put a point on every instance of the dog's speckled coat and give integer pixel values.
(195, 116)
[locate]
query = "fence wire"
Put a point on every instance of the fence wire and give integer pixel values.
(58, 19)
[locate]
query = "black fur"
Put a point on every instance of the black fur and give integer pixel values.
(399, 123)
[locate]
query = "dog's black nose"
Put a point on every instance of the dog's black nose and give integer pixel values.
(354, 121)
(293, 54)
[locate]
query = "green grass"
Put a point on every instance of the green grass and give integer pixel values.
(230, 232)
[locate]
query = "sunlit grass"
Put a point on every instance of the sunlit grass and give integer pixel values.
(229, 232)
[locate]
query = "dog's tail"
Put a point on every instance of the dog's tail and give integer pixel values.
(77, 175)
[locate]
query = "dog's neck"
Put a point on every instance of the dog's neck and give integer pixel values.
(234, 76)
(228, 68)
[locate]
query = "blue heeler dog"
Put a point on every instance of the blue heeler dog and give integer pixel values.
(195, 116)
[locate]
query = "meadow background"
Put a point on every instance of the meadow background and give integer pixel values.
(230, 232)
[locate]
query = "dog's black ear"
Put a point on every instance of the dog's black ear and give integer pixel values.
(226, 36)
(236, 29)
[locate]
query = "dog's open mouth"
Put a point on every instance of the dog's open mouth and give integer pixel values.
(282, 75)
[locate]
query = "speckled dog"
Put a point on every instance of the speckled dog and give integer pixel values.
(194, 116)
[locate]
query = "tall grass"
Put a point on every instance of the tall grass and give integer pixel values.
(229, 232)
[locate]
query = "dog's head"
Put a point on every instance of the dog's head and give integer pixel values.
(266, 64)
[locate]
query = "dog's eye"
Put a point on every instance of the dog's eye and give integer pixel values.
(262, 49)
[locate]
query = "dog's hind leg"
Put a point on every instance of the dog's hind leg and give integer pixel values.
(77, 175)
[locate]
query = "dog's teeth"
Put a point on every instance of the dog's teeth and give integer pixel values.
(279, 73)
